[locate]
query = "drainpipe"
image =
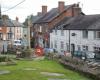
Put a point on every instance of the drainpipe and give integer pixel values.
(69, 40)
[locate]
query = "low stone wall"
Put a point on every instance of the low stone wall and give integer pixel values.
(87, 68)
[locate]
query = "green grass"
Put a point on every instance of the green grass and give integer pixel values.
(18, 72)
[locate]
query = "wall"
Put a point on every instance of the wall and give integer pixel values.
(18, 32)
(67, 13)
(77, 39)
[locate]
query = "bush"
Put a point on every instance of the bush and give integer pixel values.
(5, 59)
(11, 51)
(27, 53)
(2, 58)
(52, 56)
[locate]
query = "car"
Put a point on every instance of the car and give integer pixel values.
(48, 50)
(17, 43)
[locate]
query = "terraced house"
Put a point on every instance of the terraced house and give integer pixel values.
(77, 34)
(48, 20)
(9, 30)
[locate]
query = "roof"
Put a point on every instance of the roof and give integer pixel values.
(82, 22)
(35, 18)
(51, 15)
(7, 23)
(62, 23)
(17, 24)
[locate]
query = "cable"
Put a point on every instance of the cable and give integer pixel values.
(14, 6)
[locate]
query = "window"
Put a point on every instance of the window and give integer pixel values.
(67, 45)
(96, 49)
(51, 44)
(85, 48)
(9, 35)
(17, 30)
(55, 32)
(62, 45)
(97, 34)
(62, 32)
(85, 34)
(40, 29)
(1, 36)
(79, 47)
(0, 28)
(55, 44)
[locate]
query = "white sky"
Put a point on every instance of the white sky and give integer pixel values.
(33, 6)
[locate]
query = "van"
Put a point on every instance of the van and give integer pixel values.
(17, 43)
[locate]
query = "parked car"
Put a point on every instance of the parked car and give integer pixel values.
(17, 43)
(97, 56)
(48, 50)
(90, 55)
(84, 54)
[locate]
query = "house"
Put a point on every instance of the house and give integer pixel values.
(43, 25)
(5, 33)
(9, 31)
(79, 33)
(17, 29)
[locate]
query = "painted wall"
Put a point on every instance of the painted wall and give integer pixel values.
(78, 40)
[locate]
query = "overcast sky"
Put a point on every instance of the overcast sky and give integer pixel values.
(29, 7)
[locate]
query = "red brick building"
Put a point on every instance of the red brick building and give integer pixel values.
(43, 25)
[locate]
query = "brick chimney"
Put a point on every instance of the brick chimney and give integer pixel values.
(17, 19)
(39, 14)
(76, 10)
(44, 10)
(61, 6)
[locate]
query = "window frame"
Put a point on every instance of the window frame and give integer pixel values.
(85, 34)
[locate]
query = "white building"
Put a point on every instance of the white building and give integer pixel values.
(81, 33)
(17, 29)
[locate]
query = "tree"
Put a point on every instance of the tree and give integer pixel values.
(5, 17)
(26, 20)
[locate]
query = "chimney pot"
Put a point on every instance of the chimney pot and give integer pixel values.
(76, 10)
(61, 5)
(17, 18)
(44, 10)
(39, 14)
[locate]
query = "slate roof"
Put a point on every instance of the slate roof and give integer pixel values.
(61, 23)
(35, 18)
(82, 22)
(51, 15)
(17, 24)
(7, 23)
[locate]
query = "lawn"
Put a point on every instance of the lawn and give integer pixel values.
(33, 69)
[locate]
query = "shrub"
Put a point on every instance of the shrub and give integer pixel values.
(52, 56)
(27, 53)
(2, 58)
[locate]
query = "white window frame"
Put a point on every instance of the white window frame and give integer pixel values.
(85, 48)
(62, 32)
(85, 34)
(62, 45)
(96, 34)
